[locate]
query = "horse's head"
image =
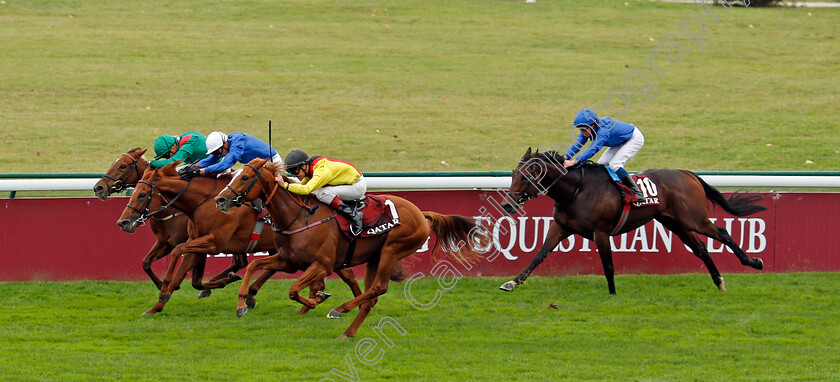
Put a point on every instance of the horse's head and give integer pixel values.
(245, 185)
(527, 179)
(143, 203)
(123, 173)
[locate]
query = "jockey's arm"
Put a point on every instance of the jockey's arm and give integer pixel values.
(321, 176)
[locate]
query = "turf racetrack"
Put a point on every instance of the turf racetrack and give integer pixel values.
(677, 327)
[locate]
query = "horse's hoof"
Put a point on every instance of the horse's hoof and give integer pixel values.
(323, 295)
(333, 314)
(241, 311)
(204, 293)
(508, 286)
(344, 337)
(234, 277)
(759, 263)
(251, 304)
(149, 313)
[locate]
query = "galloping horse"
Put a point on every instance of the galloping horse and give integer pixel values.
(169, 229)
(211, 232)
(311, 240)
(587, 203)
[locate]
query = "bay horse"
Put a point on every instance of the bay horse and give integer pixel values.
(312, 239)
(170, 229)
(588, 203)
(210, 232)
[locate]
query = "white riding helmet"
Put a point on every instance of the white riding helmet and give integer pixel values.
(215, 141)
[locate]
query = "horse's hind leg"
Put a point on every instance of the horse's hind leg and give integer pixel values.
(602, 241)
(349, 278)
(720, 234)
(246, 290)
(697, 247)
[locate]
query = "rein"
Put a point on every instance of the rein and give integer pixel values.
(120, 184)
(145, 214)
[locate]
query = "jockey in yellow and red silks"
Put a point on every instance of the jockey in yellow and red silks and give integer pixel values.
(332, 181)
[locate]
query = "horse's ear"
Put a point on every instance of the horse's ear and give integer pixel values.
(528, 152)
(136, 152)
(170, 168)
(258, 162)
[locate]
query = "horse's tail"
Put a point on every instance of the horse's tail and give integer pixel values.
(739, 204)
(454, 234)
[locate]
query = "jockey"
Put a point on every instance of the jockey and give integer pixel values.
(331, 180)
(623, 139)
(187, 148)
(225, 150)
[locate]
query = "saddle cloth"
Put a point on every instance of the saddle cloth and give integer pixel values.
(645, 184)
(380, 216)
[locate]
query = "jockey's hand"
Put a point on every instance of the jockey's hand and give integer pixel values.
(569, 162)
(188, 173)
(280, 182)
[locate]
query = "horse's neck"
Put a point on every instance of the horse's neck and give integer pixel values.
(194, 197)
(283, 207)
(142, 166)
(566, 186)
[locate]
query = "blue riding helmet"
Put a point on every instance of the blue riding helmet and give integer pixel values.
(586, 117)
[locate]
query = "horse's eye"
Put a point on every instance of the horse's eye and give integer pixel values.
(122, 167)
(244, 178)
(141, 195)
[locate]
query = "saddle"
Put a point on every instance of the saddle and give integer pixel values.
(380, 216)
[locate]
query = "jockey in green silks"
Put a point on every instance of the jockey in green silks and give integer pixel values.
(188, 148)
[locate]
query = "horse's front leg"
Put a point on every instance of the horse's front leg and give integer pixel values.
(602, 241)
(247, 291)
(555, 235)
(168, 288)
(158, 251)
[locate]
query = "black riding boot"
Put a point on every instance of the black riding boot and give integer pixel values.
(628, 181)
(354, 216)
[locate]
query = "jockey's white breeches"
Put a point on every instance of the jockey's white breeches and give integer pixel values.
(616, 157)
(353, 191)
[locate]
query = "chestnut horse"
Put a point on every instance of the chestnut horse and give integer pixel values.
(587, 203)
(170, 229)
(212, 231)
(311, 238)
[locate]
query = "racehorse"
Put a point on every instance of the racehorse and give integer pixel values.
(588, 203)
(169, 229)
(211, 231)
(311, 240)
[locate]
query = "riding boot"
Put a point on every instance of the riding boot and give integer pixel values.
(628, 181)
(354, 216)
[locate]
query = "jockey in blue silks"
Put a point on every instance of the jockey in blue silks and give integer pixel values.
(623, 139)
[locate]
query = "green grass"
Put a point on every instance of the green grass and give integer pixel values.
(405, 85)
(767, 327)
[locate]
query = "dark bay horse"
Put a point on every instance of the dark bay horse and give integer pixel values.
(170, 228)
(313, 240)
(587, 203)
(212, 231)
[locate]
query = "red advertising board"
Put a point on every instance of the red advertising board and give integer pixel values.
(78, 238)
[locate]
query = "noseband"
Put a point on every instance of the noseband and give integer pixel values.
(120, 184)
(145, 214)
(238, 199)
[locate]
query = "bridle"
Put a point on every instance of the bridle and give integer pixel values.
(120, 184)
(145, 214)
(238, 199)
(525, 196)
